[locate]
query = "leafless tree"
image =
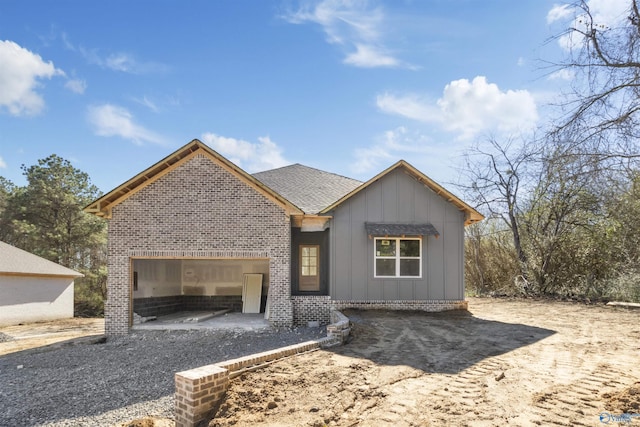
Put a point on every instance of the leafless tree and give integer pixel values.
(603, 106)
(546, 193)
(495, 175)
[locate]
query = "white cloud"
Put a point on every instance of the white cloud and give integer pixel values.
(76, 86)
(253, 157)
(118, 61)
(608, 12)
(370, 57)
(3, 164)
(559, 12)
(605, 13)
(110, 120)
(20, 76)
(353, 24)
(121, 62)
(147, 103)
(563, 74)
(468, 108)
(411, 106)
(390, 147)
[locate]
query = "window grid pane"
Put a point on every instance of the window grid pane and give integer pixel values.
(386, 247)
(410, 267)
(385, 267)
(409, 248)
(404, 262)
(309, 261)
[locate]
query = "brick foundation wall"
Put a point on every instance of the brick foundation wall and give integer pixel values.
(197, 210)
(425, 305)
(311, 308)
(200, 391)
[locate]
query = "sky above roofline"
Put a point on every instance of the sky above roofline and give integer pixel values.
(346, 86)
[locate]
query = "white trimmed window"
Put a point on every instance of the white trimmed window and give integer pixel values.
(398, 257)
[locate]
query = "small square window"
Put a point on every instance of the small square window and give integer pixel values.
(398, 257)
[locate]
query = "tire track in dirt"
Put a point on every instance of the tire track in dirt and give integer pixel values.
(578, 403)
(396, 403)
(518, 363)
(462, 396)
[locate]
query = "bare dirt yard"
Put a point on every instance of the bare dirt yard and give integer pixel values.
(505, 362)
(35, 335)
(521, 363)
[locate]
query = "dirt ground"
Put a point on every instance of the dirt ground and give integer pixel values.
(521, 363)
(505, 362)
(40, 334)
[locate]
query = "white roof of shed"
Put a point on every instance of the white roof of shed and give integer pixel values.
(14, 261)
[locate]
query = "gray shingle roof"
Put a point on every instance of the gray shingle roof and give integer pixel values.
(309, 189)
(17, 261)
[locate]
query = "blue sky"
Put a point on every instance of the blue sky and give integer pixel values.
(345, 86)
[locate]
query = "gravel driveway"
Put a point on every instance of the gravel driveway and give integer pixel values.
(125, 378)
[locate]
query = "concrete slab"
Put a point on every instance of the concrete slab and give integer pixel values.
(182, 321)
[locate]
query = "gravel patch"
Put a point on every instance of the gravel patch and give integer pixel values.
(122, 379)
(5, 338)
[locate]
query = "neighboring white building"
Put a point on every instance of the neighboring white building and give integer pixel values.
(33, 289)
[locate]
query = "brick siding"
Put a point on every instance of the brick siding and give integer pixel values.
(198, 210)
(424, 305)
(311, 308)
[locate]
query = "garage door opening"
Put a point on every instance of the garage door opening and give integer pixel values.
(178, 287)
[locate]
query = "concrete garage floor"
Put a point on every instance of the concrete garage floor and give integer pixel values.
(186, 320)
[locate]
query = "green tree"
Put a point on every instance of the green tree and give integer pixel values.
(6, 191)
(45, 218)
(50, 221)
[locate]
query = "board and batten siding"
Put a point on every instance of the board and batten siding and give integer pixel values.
(396, 197)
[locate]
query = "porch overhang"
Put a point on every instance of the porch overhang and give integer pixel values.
(309, 223)
(386, 229)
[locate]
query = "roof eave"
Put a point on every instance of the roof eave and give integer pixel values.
(28, 274)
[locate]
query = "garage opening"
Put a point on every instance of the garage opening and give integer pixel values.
(164, 287)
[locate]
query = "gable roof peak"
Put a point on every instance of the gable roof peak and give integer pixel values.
(471, 215)
(103, 205)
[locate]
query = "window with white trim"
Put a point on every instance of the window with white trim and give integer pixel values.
(398, 257)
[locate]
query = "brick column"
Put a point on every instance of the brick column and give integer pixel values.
(198, 393)
(280, 304)
(116, 307)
